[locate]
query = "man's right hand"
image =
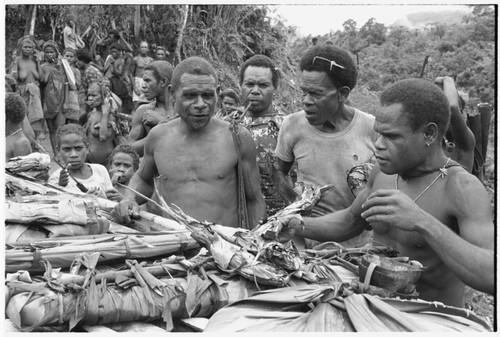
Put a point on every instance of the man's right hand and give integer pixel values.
(125, 211)
(64, 176)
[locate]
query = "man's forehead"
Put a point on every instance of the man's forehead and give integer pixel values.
(254, 72)
(194, 79)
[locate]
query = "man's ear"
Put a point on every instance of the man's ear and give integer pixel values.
(430, 133)
(217, 91)
(164, 82)
(344, 94)
(170, 92)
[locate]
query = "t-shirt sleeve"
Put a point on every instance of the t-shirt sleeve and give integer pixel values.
(284, 148)
(104, 177)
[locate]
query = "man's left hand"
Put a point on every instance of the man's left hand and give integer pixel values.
(393, 208)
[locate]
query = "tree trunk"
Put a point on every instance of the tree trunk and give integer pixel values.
(29, 19)
(137, 21)
(33, 20)
(184, 12)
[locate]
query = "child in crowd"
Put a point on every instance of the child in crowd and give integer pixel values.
(16, 143)
(230, 101)
(101, 128)
(73, 147)
(123, 164)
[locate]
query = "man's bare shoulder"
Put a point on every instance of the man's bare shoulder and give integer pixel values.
(460, 181)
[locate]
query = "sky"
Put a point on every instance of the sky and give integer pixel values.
(319, 19)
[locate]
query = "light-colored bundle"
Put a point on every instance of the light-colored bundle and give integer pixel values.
(26, 186)
(61, 253)
(64, 211)
(32, 161)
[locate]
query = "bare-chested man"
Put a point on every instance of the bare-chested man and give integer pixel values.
(157, 76)
(418, 201)
(137, 67)
(194, 156)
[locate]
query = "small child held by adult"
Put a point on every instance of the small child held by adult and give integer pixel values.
(73, 147)
(16, 142)
(124, 161)
(102, 126)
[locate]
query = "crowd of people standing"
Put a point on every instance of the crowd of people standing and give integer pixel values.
(240, 165)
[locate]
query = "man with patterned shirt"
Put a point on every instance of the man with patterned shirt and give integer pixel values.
(259, 79)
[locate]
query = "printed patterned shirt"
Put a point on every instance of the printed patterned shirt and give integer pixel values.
(265, 135)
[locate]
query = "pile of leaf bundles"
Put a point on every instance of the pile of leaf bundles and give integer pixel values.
(34, 165)
(30, 218)
(133, 295)
(332, 308)
(229, 256)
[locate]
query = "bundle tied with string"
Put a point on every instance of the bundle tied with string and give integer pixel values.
(142, 297)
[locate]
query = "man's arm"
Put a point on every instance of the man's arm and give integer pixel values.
(256, 206)
(137, 133)
(470, 254)
(279, 177)
(462, 135)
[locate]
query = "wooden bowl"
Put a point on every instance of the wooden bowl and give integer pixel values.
(389, 273)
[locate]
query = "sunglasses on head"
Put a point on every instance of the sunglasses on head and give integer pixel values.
(332, 63)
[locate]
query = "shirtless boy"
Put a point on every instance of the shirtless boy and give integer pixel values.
(124, 162)
(194, 157)
(418, 201)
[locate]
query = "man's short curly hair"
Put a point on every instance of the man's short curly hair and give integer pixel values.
(161, 69)
(195, 66)
(423, 102)
(70, 129)
(15, 108)
(339, 77)
(261, 61)
(127, 149)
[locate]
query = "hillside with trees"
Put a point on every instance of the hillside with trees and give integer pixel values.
(229, 34)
